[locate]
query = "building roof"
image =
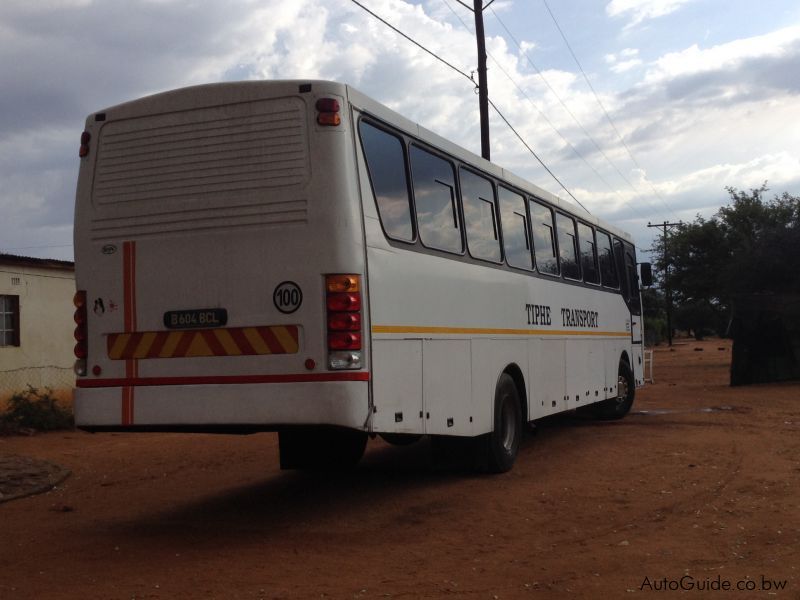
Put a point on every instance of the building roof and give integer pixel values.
(29, 261)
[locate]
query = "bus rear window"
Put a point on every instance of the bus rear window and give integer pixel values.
(387, 172)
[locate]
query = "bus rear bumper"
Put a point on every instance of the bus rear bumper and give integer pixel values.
(210, 407)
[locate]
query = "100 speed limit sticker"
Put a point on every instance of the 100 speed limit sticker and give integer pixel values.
(287, 297)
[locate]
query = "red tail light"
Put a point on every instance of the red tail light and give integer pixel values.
(349, 321)
(86, 137)
(344, 301)
(340, 340)
(343, 304)
(81, 333)
(328, 112)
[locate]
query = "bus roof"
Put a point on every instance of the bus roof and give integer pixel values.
(245, 91)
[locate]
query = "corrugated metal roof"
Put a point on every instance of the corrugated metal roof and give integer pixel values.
(29, 261)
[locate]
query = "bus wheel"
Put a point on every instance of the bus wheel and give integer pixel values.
(616, 408)
(400, 439)
(321, 448)
(502, 444)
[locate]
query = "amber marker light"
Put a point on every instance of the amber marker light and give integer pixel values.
(328, 112)
(343, 283)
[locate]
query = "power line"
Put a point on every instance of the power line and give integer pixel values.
(437, 57)
(571, 114)
(416, 43)
(541, 162)
(602, 106)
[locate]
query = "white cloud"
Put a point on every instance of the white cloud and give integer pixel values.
(624, 61)
(640, 10)
(726, 56)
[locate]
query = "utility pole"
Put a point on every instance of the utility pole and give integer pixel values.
(483, 88)
(667, 289)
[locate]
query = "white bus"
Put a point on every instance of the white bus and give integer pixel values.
(293, 256)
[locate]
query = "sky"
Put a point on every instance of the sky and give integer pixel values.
(644, 111)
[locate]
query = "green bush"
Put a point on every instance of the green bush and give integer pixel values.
(32, 409)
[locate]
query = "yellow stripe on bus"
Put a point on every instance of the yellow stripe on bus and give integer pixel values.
(491, 331)
(285, 339)
(225, 338)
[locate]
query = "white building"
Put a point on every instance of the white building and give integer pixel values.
(36, 324)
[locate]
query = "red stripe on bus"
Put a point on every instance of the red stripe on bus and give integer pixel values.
(225, 379)
(130, 346)
(242, 341)
(210, 336)
(158, 344)
(127, 406)
(275, 347)
(129, 318)
(184, 341)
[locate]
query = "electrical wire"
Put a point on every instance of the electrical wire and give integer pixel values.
(603, 108)
(456, 69)
(541, 162)
(416, 43)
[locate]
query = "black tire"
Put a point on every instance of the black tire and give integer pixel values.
(321, 448)
(616, 408)
(502, 444)
(400, 439)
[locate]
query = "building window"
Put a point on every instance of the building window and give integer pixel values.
(9, 321)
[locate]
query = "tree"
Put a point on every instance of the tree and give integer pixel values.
(749, 246)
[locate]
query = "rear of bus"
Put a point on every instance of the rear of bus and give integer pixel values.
(220, 261)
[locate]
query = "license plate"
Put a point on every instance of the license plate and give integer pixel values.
(196, 319)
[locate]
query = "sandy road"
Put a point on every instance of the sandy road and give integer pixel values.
(700, 480)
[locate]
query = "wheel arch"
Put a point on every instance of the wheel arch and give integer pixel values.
(513, 371)
(625, 358)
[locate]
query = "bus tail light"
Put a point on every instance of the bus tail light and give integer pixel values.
(85, 139)
(343, 311)
(81, 332)
(328, 112)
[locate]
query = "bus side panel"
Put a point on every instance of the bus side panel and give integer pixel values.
(490, 357)
(397, 383)
(446, 382)
(585, 367)
(547, 379)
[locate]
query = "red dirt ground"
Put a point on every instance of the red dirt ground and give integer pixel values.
(700, 480)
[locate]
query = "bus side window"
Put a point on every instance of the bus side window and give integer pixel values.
(387, 171)
(514, 221)
(630, 269)
(619, 257)
(568, 247)
(588, 254)
(608, 268)
(433, 181)
(544, 239)
(480, 216)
